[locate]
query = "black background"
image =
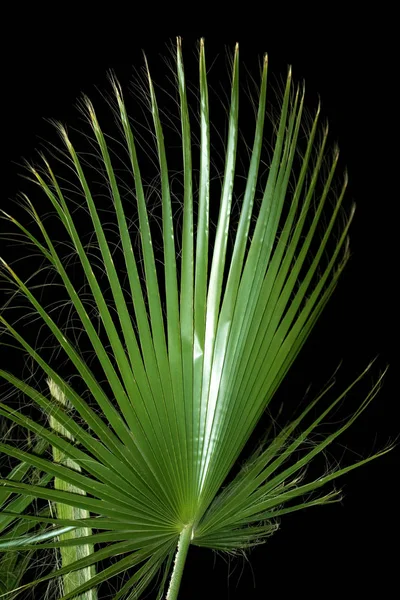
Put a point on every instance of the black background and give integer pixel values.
(344, 549)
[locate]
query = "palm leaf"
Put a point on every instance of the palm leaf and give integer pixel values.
(192, 353)
(69, 554)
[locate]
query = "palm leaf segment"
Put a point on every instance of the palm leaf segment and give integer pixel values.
(187, 389)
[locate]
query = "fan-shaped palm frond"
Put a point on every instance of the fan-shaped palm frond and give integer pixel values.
(192, 351)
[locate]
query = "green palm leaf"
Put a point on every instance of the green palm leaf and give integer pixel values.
(192, 353)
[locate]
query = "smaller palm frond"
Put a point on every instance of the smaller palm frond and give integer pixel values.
(70, 554)
(190, 336)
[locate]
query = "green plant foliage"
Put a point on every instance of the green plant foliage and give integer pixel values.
(191, 349)
(13, 565)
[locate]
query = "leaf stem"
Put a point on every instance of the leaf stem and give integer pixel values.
(179, 563)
